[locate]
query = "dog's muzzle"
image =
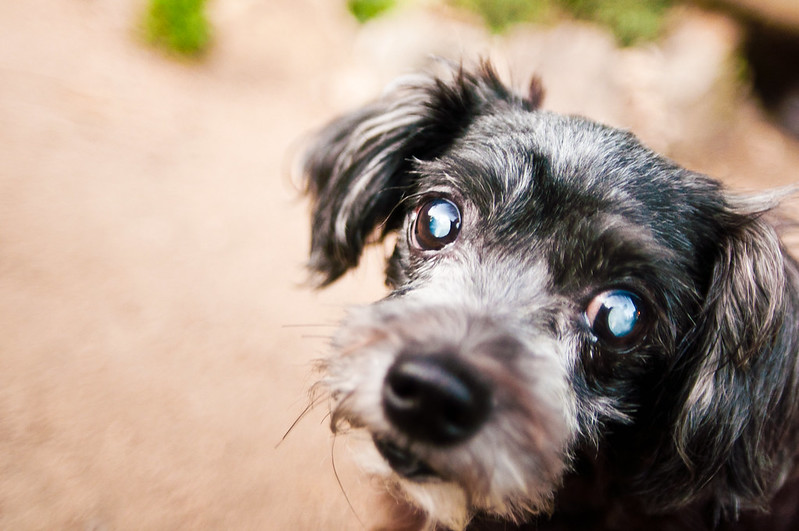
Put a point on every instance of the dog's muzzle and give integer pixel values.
(434, 399)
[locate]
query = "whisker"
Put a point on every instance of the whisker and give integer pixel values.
(312, 404)
(340, 484)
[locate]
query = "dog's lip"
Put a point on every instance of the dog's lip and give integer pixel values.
(403, 461)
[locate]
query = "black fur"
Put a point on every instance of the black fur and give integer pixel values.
(703, 428)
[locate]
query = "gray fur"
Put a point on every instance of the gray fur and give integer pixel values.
(697, 415)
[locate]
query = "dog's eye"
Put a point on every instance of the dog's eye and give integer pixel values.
(617, 318)
(437, 224)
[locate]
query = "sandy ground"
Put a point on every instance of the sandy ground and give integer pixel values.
(156, 340)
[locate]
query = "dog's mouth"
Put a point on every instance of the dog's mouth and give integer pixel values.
(403, 461)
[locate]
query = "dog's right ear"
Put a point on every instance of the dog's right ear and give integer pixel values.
(359, 169)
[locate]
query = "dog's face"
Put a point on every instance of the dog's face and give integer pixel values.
(555, 286)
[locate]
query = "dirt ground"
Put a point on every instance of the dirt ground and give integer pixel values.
(156, 340)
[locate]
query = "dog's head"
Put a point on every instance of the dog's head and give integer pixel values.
(558, 292)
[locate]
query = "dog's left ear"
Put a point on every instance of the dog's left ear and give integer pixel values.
(741, 355)
(361, 165)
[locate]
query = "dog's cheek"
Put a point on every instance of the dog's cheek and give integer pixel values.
(513, 467)
(353, 376)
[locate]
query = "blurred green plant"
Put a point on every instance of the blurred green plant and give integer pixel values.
(498, 15)
(365, 10)
(180, 26)
(630, 21)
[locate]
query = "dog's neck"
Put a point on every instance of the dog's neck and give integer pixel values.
(594, 504)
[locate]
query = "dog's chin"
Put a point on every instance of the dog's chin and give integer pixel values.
(444, 502)
(449, 501)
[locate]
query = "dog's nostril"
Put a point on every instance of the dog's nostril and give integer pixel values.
(435, 399)
(404, 386)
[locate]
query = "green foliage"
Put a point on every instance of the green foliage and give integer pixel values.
(630, 20)
(179, 25)
(499, 14)
(365, 10)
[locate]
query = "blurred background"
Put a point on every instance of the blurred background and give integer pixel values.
(156, 337)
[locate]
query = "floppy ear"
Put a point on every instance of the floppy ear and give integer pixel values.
(357, 172)
(360, 166)
(739, 404)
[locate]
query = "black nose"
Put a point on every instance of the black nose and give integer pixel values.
(435, 399)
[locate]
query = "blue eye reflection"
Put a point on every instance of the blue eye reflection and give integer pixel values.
(438, 223)
(444, 218)
(617, 318)
(623, 314)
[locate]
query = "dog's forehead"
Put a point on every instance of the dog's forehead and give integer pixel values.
(503, 157)
(517, 166)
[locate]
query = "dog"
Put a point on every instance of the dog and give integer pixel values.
(580, 334)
